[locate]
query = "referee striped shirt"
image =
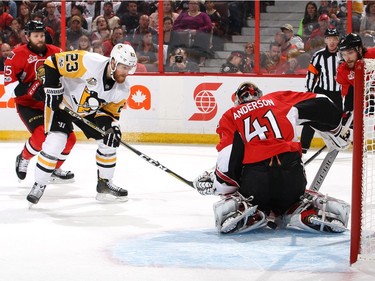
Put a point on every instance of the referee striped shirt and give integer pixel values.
(322, 72)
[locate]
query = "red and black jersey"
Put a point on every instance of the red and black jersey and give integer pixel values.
(267, 127)
(25, 66)
(259, 130)
(345, 75)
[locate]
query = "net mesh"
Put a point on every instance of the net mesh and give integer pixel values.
(367, 245)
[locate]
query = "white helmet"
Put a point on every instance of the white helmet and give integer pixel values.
(125, 54)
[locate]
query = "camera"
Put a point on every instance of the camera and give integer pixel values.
(178, 58)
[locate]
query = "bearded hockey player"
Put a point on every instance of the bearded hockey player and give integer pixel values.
(352, 50)
(23, 78)
(259, 173)
(95, 87)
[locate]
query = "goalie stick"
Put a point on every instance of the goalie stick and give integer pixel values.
(328, 161)
(142, 155)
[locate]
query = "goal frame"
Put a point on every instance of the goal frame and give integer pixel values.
(363, 188)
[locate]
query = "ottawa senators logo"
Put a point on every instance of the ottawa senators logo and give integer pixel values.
(40, 72)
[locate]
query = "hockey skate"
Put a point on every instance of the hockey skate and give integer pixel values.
(109, 192)
(21, 167)
(59, 176)
(36, 193)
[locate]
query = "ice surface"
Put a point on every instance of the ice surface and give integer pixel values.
(164, 232)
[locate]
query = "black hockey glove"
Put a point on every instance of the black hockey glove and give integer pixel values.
(36, 91)
(54, 97)
(112, 137)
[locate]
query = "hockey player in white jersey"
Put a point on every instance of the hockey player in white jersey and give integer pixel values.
(95, 87)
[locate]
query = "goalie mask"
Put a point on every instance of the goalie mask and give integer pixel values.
(125, 54)
(247, 92)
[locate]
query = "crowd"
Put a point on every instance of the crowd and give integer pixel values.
(199, 28)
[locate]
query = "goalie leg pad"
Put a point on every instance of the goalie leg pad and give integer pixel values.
(319, 213)
(234, 214)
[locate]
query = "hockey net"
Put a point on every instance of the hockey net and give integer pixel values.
(363, 192)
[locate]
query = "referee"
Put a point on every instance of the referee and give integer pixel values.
(320, 78)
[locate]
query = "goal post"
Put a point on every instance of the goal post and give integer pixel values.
(362, 245)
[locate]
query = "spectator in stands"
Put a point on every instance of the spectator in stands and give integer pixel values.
(324, 7)
(179, 62)
(14, 35)
(282, 39)
(5, 50)
(233, 63)
(167, 12)
(293, 39)
(109, 15)
(198, 26)
(135, 35)
(147, 51)
(248, 61)
(324, 23)
(51, 19)
(236, 17)
(101, 31)
(10, 7)
(84, 43)
(130, 19)
(116, 37)
(97, 47)
(77, 10)
(357, 11)
(218, 27)
(293, 64)
(167, 30)
(5, 18)
(309, 21)
(93, 9)
(337, 17)
(275, 62)
(24, 13)
(74, 32)
(367, 27)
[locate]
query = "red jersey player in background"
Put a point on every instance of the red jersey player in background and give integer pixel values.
(352, 50)
(23, 76)
(259, 172)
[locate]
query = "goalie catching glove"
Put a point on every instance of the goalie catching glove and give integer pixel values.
(204, 183)
(112, 137)
(54, 97)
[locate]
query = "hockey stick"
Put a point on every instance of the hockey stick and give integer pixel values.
(143, 156)
(314, 156)
(328, 161)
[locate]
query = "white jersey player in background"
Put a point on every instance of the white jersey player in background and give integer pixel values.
(94, 87)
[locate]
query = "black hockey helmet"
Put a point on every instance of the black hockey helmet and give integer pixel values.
(350, 41)
(34, 26)
(331, 32)
(247, 92)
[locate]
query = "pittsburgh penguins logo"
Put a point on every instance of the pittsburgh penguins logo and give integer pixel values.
(89, 102)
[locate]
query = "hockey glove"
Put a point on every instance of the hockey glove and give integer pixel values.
(204, 183)
(36, 91)
(112, 137)
(338, 141)
(54, 97)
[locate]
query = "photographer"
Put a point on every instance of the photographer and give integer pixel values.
(178, 62)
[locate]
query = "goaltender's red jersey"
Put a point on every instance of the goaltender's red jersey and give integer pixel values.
(25, 66)
(266, 126)
(345, 75)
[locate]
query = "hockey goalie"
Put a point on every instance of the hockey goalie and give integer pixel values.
(259, 173)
